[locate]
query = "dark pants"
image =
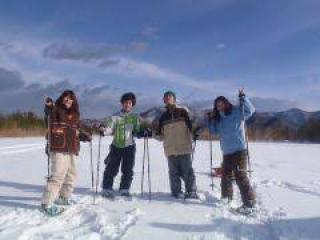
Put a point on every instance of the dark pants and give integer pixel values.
(181, 167)
(235, 165)
(125, 157)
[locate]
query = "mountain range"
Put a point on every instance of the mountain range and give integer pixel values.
(292, 125)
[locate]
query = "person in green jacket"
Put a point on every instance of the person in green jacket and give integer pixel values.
(123, 125)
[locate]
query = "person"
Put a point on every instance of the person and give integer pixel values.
(228, 121)
(63, 149)
(175, 129)
(123, 125)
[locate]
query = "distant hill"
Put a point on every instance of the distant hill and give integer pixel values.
(292, 125)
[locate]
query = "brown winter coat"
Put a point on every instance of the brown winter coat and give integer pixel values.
(64, 131)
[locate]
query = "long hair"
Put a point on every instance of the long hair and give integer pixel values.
(75, 105)
(227, 104)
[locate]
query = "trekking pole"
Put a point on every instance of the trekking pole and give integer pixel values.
(246, 135)
(48, 144)
(98, 165)
(48, 112)
(148, 160)
(143, 161)
(92, 174)
(211, 159)
(211, 153)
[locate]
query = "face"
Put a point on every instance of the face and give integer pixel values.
(221, 106)
(169, 100)
(127, 106)
(67, 102)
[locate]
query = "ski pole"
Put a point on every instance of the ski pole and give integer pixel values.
(143, 161)
(92, 173)
(211, 159)
(47, 112)
(211, 154)
(98, 165)
(246, 135)
(148, 159)
(48, 145)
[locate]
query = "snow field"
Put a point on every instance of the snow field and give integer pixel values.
(286, 178)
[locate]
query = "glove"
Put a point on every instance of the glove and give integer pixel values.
(241, 94)
(147, 132)
(48, 101)
(85, 137)
(196, 136)
(101, 130)
(211, 116)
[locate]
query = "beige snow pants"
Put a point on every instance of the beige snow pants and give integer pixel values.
(61, 181)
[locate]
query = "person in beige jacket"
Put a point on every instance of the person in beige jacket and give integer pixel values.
(175, 129)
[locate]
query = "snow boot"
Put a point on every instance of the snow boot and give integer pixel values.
(244, 210)
(64, 201)
(51, 210)
(179, 195)
(108, 193)
(124, 193)
(191, 195)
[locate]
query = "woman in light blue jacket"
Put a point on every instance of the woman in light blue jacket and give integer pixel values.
(228, 122)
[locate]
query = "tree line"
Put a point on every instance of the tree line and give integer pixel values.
(30, 124)
(21, 124)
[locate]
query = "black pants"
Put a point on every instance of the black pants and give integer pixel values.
(181, 167)
(125, 157)
(235, 165)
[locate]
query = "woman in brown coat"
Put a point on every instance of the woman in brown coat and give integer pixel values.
(64, 131)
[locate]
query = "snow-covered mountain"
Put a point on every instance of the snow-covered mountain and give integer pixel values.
(293, 124)
(285, 125)
(261, 104)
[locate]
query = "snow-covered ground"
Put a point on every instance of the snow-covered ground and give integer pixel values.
(286, 179)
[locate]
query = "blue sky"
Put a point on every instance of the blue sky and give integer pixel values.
(200, 49)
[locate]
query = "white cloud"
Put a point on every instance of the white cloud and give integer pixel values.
(150, 31)
(88, 52)
(110, 59)
(220, 46)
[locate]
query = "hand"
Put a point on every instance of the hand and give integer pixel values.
(211, 115)
(196, 136)
(101, 130)
(85, 136)
(48, 101)
(241, 93)
(148, 132)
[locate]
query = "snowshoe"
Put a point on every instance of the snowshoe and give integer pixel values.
(51, 210)
(191, 195)
(243, 210)
(124, 193)
(179, 195)
(64, 201)
(108, 193)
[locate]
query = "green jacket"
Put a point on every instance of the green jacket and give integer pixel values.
(123, 126)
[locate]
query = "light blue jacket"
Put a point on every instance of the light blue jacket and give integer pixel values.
(231, 129)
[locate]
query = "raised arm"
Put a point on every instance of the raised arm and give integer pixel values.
(246, 104)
